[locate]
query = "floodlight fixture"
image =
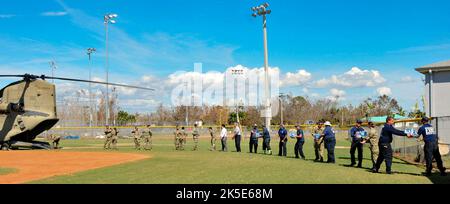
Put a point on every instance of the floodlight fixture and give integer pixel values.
(261, 10)
(109, 18)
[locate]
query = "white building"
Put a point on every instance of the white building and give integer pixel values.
(437, 97)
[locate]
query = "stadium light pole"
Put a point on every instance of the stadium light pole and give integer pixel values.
(262, 10)
(90, 51)
(108, 18)
(237, 73)
(280, 98)
(187, 106)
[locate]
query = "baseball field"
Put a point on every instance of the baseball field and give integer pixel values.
(85, 162)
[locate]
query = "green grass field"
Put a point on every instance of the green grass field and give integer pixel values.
(168, 166)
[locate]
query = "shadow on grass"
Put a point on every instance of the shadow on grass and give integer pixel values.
(436, 178)
(366, 159)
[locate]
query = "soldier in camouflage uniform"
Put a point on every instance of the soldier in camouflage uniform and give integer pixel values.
(213, 139)
(137, 138)
(318, 143)
(55, 140)
(372, 138)
(176, 135)
(108, 134)
(182, 138)
(195, 135)
(148, 139)
(115, 138)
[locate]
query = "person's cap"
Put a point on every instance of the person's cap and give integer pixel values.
(359, 121)
(327, 123)
(425, 119)
(255, 125)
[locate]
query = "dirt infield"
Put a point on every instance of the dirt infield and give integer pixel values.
(36, 165)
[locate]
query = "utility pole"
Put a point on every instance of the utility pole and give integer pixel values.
(53, 67)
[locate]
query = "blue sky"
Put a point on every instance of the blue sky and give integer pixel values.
(157, 38)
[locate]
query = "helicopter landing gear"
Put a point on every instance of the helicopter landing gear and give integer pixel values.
(4, 147)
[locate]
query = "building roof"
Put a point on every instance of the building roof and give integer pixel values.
(382, 119)
(436, 67)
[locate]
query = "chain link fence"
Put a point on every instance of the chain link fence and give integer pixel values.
(411, 149)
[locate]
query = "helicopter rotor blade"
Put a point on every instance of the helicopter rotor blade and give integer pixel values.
(43, 77)
(20, 76)
(97, 82)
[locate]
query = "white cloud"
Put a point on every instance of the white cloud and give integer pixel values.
(295, 79)
(54, 13)
(337, 92)
(356, 77)
(141, 103)
(336, 95)
(384, 91)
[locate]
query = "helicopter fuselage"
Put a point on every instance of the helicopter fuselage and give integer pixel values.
(27, 108)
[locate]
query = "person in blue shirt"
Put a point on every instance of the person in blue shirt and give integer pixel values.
(299, 144)
(282, 133)
(384, 145)
(330, 142)
(266, 141)
(254, 134)
(431, 148)
(355, 134)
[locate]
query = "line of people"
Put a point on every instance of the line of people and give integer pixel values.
(181, 138)
(138, 136)
(326, 137)
(323, 135)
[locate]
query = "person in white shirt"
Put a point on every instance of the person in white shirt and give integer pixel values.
(223, 138)
(237, 137)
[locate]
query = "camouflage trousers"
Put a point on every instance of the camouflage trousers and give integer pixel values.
(195, 143)
(213, 143)
(177, 143)
(137, 143)
(107, 143)
(114, 142)
(181, 142)
(318, 149)
(55, 143)
(148, 143)
(374, 152)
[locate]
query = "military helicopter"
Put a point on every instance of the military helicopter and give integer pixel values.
(28, 108)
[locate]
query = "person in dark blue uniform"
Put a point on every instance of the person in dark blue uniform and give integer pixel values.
(355, 134)
(282, 133)
(330, 142)
(384, 145)
(431, 148)
(266, 141)
(254, 134)
(299, 144)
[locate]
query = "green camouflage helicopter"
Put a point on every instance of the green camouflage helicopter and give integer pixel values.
(28, 108)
